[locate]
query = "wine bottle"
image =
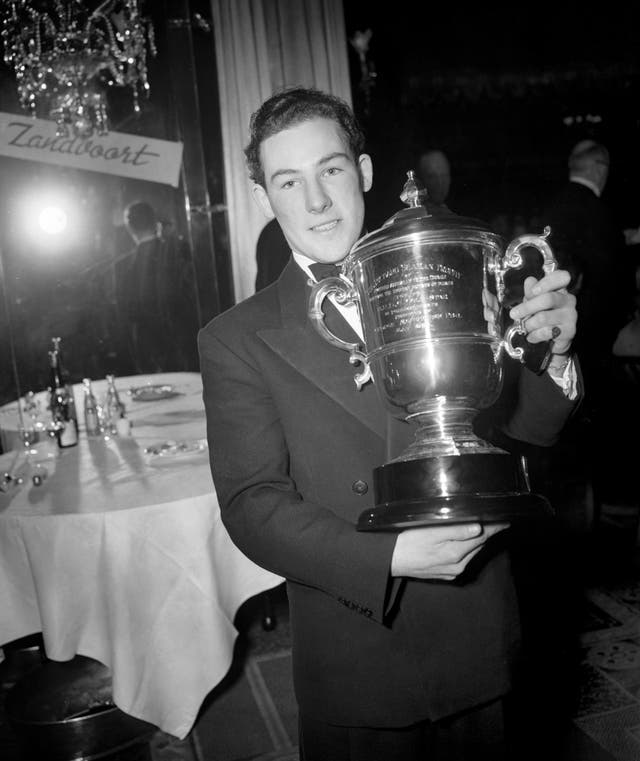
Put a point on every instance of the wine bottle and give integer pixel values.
(91, 417)
(62, 406)
(115, 410)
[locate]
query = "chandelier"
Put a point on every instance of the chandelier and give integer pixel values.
(66, 56)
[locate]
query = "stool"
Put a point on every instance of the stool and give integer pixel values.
(64, 712)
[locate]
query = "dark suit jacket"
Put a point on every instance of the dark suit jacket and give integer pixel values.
(156, 300)
(292, 442)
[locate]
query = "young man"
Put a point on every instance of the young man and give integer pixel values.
(393, 654)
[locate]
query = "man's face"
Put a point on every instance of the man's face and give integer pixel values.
(314, 187)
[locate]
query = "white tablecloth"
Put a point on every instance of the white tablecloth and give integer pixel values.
(125, 560)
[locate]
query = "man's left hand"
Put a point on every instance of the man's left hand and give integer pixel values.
(548, 311)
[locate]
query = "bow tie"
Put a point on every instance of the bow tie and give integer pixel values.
(321, 271)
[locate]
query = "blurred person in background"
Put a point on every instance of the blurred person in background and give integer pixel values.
(589, 244)
(435, 172)
(272, 254)
(156, 296)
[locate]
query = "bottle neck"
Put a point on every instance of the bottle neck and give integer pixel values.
(55, 375)
(112, 391)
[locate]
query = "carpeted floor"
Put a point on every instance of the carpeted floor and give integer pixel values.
(595, 702)
(251, 715)
(608, 710)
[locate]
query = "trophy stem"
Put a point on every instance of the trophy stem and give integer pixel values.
(445, 429)
(439, 478)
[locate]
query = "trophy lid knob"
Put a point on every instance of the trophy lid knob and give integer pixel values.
(413, 193)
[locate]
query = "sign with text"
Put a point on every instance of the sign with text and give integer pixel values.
(142, 158)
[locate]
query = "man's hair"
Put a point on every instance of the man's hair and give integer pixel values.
(585, 153)
(291, 107)
(140, 217)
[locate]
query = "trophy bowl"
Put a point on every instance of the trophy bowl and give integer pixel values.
(430, 290)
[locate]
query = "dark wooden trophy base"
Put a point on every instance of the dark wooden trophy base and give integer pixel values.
(469, 488)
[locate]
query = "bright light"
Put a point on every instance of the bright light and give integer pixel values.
(48, 219)
(53, 220)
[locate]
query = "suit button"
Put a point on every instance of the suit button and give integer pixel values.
(360, 487)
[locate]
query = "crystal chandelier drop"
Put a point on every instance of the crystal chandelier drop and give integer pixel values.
(66, 55)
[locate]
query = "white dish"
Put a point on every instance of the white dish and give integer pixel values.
(170, 451)
(152, 393)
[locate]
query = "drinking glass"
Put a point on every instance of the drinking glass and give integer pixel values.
(29, 437)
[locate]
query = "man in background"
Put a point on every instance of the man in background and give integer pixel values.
(589, 244)
(272, 254)
(435, 172)
(156, 296)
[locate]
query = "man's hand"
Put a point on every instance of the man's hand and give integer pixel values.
(440, 552)
(548, 312)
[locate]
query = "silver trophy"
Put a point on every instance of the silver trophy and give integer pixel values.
(430, 289)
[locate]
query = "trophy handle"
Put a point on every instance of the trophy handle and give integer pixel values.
(344, 294)
(513, 260)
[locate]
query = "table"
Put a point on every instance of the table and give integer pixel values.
(122, 556)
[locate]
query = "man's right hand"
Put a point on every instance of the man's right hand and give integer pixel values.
(440, 552)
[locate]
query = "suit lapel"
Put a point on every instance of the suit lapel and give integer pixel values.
(328, 368)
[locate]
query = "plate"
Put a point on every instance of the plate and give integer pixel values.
(170, 451)
(151, 393)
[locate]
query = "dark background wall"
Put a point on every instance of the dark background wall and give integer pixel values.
(505, 92)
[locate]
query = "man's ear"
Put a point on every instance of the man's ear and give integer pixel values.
(262, 199)
(365, 165)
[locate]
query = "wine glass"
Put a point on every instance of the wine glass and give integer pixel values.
(29, 437)
(31, 428)
(33, 408)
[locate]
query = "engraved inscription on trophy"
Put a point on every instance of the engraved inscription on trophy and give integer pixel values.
(412, 296)
(425, 296)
